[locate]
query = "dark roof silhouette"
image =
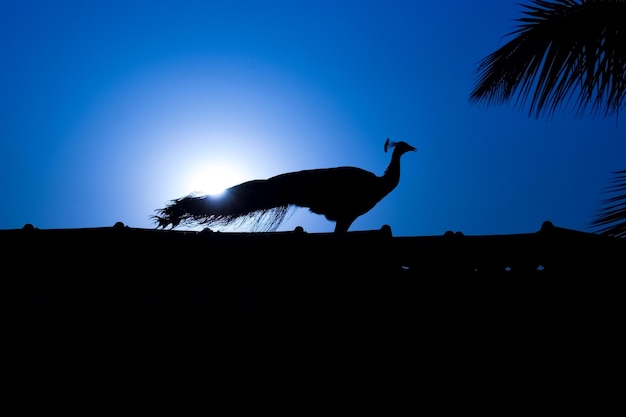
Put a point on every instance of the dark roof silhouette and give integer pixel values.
(550, 250)
(122, 317)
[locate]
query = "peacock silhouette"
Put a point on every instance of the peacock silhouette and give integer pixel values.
(340, 194)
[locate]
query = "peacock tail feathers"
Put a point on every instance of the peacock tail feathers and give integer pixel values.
(212, 211)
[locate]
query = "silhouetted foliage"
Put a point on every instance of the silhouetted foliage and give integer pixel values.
(611, 217)
(563, 50)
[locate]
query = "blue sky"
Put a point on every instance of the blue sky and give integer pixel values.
(110, 109)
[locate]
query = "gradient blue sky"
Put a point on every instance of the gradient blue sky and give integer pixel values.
(109, 109)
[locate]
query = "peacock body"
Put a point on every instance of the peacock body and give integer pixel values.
(340, 194)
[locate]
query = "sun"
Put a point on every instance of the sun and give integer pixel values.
(213, 179)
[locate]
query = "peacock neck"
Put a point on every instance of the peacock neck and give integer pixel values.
(391, 177)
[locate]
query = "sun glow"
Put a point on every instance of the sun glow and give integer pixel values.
(214, 179)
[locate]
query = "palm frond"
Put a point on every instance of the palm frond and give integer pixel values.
(611, 217)
(563, 52)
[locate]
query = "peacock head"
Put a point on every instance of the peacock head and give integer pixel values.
(401, 147)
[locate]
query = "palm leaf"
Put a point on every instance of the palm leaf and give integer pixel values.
(563, 52)
(611, 218)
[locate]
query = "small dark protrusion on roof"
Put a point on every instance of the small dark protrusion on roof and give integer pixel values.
(386, 229)
(547, 226)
